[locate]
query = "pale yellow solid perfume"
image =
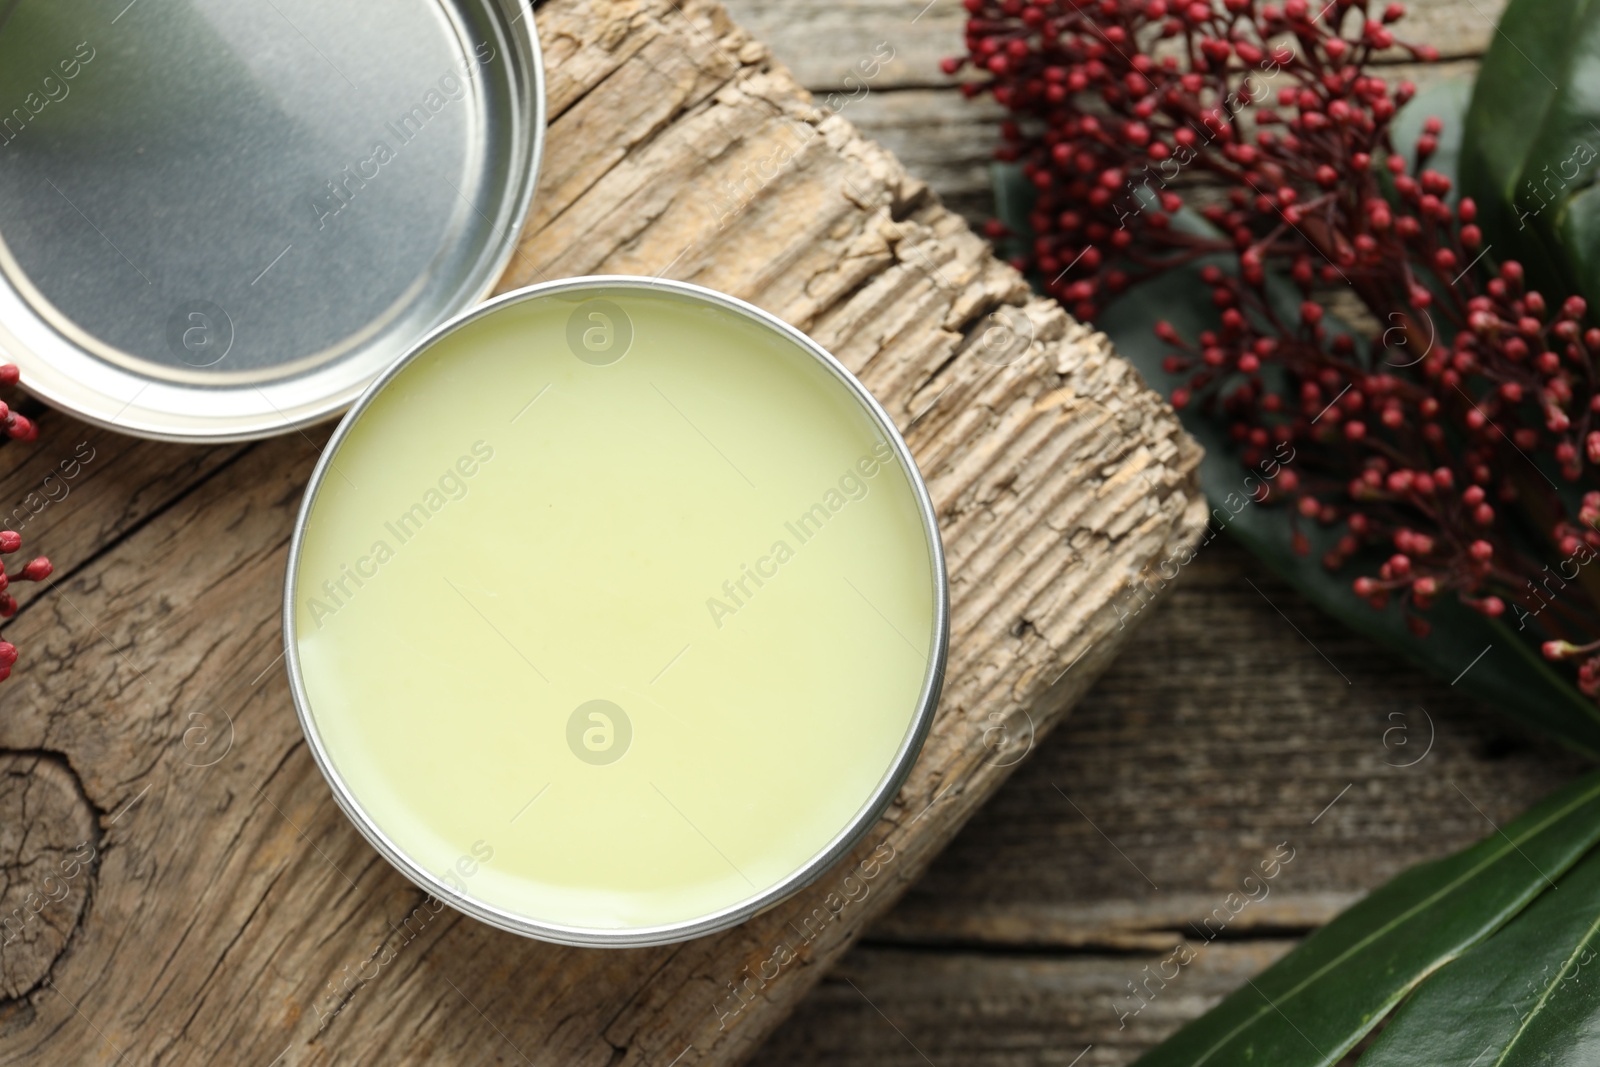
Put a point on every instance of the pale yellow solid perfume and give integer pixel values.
(616, 611)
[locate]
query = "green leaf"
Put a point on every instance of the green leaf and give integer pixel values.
(1532, 144)
(1316, 1003)
(1446, 100)
(1520, 998)
(1014, 197)
(1511, 674)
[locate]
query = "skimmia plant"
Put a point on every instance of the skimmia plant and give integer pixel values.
(15, 427)
(1452, 447)
(1208, 180)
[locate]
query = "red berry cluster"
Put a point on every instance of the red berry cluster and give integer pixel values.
(1125, 104)
(1464, 399)
(1421, 453)
(17, 428)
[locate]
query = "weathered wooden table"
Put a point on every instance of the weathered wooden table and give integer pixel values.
(229, 899)
(1217, 734)
(221, 909)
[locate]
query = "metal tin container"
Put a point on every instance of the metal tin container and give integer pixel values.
(220, 221)
(491, 620)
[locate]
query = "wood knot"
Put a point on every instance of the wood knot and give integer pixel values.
(49, 839)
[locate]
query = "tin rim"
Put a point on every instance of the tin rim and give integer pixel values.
(852, 833)
(517, 23)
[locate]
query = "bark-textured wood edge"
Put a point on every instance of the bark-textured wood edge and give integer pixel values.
(236, 915)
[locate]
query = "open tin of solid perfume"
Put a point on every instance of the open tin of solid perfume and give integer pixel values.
(223, 220)
(616, 612)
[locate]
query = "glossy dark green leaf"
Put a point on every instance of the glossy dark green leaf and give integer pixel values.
(1532, 146)
(1528, 995)
(1319, 1001)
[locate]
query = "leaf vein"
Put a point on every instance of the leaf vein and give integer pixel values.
(1549, 990)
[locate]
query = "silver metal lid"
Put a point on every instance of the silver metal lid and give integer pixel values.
(221, 221)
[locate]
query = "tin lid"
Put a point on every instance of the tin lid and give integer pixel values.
(221, 221)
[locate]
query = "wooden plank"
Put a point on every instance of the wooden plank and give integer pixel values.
(888, 1007)
(57, 492)
(232, 914)
(942, 138)
(824, 42)
(1459, 29)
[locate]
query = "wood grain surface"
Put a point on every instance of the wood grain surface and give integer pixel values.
(1219, 733)
(183, 887)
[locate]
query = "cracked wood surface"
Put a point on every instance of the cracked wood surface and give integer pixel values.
(230, 912)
